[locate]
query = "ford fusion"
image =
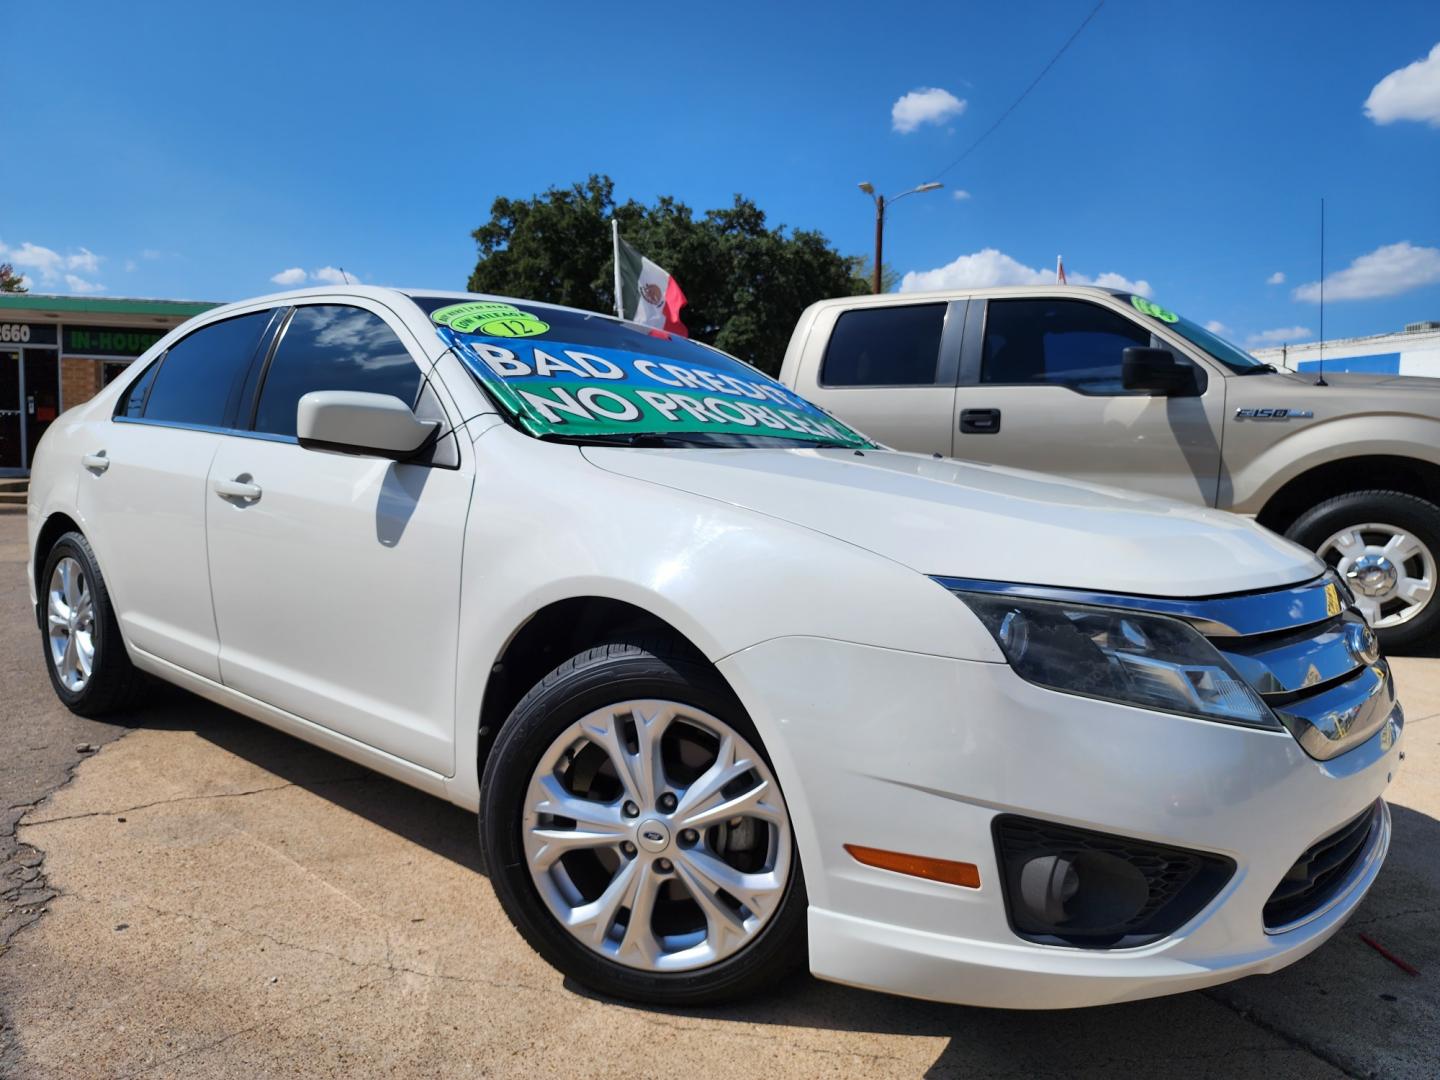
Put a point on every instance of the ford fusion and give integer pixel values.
(731, 687)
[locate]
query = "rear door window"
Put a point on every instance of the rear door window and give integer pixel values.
(885, 346)
(199, 378)
(333, 347)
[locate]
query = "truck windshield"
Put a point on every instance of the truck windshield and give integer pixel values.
(576, 377)
(1232, 356)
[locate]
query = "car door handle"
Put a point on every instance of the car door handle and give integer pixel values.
(979, 421)
(239, 488)
(97, 462)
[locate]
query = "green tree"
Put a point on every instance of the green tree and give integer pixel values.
(11, 281)
(746, 282)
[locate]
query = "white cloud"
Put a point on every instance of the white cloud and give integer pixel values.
(1282, 335)
(131, 266)
(1215, 326)
(332, 275)
(151, 253)
(1277, 278)
(50, 267)
(960, 195)
(78, 284)
(1411, 93)
(1387, 271)
(295, 275)
(926, 105)
(991, 267)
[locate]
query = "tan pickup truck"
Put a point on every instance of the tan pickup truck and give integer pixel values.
(1112, 387)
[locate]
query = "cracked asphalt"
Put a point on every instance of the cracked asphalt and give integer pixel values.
(218, 899)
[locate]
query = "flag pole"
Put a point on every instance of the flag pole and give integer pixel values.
(615, 237)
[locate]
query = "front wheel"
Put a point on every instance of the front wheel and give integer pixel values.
(636, 834)
(1385, 545)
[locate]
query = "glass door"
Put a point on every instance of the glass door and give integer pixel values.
(12, 455)
(42, 395)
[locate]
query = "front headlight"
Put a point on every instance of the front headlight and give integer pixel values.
(1152, 661)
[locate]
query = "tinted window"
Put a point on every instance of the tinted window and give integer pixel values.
(331, 347)
(133, 403)
(1057, 341)
(885, 346)
(198, 380)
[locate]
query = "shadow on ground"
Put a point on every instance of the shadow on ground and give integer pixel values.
(1346, 1007)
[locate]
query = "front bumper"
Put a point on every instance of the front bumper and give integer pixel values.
(918, 754)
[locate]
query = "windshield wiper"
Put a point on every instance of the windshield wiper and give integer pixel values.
(1260, 369)
(630, 438)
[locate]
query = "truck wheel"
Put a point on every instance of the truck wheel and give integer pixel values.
(635, 833)
(1384, 544)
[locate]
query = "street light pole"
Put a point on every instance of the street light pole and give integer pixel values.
(879, 243)
(880, 203)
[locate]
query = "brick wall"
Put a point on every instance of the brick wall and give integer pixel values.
(80, 380)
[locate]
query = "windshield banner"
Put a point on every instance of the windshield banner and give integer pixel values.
(559, 388)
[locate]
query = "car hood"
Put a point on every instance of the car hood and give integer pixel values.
(947, 517)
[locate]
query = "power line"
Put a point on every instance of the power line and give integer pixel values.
(1025, 93)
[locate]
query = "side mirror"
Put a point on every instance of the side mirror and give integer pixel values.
(1143, 368)
(351, 422)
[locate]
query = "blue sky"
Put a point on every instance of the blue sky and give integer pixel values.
(196, 151)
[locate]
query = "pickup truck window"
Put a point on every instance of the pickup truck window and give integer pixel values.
(885, 346)
(1232, 356)
(1068, 342)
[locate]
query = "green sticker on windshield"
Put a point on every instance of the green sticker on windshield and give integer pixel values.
(491, 319)
(1155, 311)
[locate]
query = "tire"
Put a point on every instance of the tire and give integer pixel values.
(112, 683)
(598, 685)
(1377, 518)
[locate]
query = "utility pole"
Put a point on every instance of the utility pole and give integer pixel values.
(880, 204)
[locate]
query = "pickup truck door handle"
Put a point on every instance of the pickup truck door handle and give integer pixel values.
(239, 488)
(979, 421)
(97, 462)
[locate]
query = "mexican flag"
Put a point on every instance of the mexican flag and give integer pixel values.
(644, 293)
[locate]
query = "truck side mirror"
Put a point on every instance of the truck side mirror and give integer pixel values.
(1144, 368)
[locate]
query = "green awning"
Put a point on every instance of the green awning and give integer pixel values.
(95, 305)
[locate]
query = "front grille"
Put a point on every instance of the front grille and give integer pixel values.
(1177, 883)
(1320, 873)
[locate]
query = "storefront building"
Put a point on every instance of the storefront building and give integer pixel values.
(57, 351)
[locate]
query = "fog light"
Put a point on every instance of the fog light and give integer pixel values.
(1091, 891)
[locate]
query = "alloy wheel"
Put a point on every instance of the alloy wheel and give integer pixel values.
(657, 836)
(70, 617)
(1389, 569)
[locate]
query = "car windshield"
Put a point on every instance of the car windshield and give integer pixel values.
(1232, 356)
(573, 376)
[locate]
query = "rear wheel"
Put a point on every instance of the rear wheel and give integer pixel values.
(1385, 545)
(636, 834)
(84, 654)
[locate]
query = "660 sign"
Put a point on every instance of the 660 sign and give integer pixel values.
(18, 333)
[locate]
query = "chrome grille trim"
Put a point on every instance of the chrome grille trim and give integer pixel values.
(1290, 663)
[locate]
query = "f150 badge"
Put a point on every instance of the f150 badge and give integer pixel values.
(1273, 414)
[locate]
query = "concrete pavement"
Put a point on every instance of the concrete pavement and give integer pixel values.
(232, 902)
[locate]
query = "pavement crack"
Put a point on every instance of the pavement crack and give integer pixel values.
(1321, 1053)
(191, 798)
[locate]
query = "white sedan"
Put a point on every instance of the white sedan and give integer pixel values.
(729, 685)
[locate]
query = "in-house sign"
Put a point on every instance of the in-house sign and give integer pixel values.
(109, 340)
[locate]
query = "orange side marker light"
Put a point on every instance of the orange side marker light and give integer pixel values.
(964, 874)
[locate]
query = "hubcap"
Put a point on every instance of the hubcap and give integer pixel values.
(689, 880)
(1388, 568)
(70, 619)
